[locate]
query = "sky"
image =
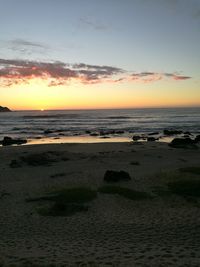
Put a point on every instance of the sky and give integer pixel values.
(82, 54)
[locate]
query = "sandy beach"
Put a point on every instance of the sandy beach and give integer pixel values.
(163, 230)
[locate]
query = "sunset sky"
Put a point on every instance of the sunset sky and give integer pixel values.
(74, 54)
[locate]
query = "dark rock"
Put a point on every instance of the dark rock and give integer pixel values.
(93, 134)
(102, 133)
(151, 139)
(197, 138)
(136, 137)
(187, 133)
(112, 132)
(116, 176)
(19, 141)
(4, 109)
(172, 132)
(48, 132)
(154, 133)
(58, 131)
(182, 143)
(119, 132)
(7, 141)
(87, 132)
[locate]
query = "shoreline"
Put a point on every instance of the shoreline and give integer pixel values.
(85, 139)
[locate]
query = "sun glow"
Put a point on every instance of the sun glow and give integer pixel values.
(36, 94)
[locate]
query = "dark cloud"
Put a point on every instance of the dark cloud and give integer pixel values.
(22, 42)
(26, 47)
(176, 76)
(95, 72)
(112, 70)
(143, 74)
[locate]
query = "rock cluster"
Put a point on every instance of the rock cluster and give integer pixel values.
(8, 141)
(4, 109)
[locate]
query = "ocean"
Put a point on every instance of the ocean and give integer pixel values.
(96, 125)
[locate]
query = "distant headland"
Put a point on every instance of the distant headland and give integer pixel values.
(4, 109)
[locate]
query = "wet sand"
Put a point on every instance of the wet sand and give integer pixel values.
(115, 231)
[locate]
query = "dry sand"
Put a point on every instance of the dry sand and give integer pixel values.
(115, 231)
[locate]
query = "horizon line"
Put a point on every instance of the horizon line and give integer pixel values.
(120, 108)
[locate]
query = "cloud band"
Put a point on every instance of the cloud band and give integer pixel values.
(59, 73)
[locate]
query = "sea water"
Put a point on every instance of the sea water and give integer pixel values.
(79, 125)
